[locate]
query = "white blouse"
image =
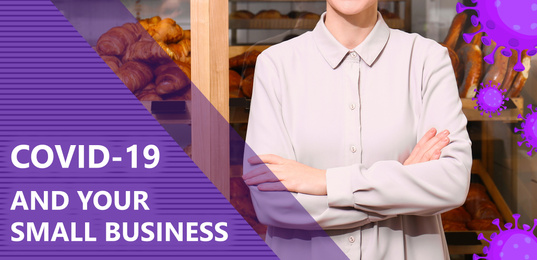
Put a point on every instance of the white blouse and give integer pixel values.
(359, 113)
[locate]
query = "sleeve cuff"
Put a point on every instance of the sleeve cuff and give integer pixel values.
(339, 187)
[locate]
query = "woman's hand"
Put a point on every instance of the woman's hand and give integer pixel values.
(429, 147)
(279, 174)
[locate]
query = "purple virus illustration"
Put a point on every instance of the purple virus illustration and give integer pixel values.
(512, 243)
(511, 24)
(529, 130)
(490, 99)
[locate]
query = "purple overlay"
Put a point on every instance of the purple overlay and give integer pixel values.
(56, 91)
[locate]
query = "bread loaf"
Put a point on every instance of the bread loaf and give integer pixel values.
(241, 14)
(454, 225)
(485, 210)
(457, 214)
(309, 15)
(521, 77)
(455, 30)
(497, 71)
(268, 14)
(482, 224)
(471, 56)
(511, 73)
(247, 85)
(234, 84)
(247, 59)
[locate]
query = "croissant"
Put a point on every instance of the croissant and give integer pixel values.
(166, 31)
(148, 93)
(170, 78)
(113, 62)
(186, 34)
(171, 52)
(148, 51)
(135, 75)
(246, 59)
(154, 20)
(182, 50)
(185, 67)
(144, 24)
(115, 41)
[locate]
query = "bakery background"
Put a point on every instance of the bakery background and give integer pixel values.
(505, 177)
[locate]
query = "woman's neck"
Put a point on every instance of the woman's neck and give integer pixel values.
(350, 30)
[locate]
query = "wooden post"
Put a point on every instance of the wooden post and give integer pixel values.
(210, 66)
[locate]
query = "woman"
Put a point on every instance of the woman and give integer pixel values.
(345, 117)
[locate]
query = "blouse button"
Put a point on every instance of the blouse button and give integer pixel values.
(353, 149)
(351, 239)
(352, 106)
(353, 54)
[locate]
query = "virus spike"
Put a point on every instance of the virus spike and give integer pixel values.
(530, 152)
(507, 53)
(534, 225)
(526, 227)
(474, 20)
(461, 8)
(469, 36)
(508, 225)
(485, 250)
(490, 58)
(531, 52)
(516, 217)
(519, 66)
(476, 257)
(497, 223)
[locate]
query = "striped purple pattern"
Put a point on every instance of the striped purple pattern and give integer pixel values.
(55, 90)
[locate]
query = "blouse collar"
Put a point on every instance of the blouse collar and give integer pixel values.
(334, 52)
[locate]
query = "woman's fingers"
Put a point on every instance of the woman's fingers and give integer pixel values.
(429, 148)
(265, 158)
(430, 134)
(435, 150)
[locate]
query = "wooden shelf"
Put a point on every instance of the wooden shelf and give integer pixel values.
(509, 115)
(477, 248)
(305, 24)
(171, 118)
(302, 0)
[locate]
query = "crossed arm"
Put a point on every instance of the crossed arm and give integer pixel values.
(432, 180)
